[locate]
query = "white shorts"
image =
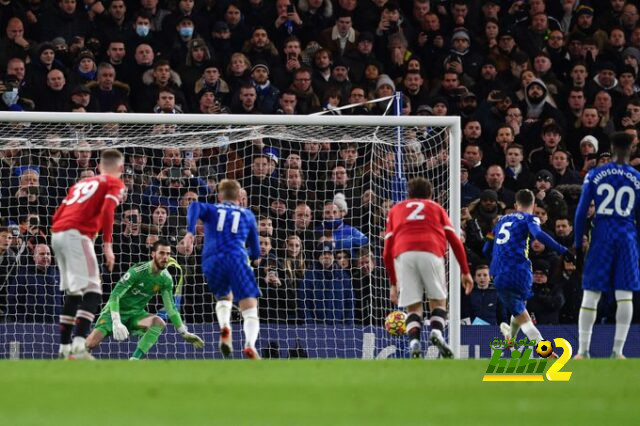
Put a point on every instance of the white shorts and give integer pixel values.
(76, 259)
(419, 273)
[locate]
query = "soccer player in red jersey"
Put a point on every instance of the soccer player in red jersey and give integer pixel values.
(88, 209)
(416, 237)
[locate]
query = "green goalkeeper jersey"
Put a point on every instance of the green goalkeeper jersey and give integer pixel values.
(136, 288)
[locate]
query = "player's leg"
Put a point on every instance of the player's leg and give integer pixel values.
(224, 306)
(432, 272)
(414, 328)
(84, 277)
(596, 278)
(586, 319)
(245, 290)
(71, 300)
(626, 280)
(153, 326)
(411, 292)
(218, 283)
(529, 330)
(95, 337)
(624, 312)
(250, 325)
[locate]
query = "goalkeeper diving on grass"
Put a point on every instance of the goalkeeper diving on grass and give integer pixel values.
(125, 311)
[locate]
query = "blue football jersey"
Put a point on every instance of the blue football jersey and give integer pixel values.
(615, 190)
(612, 259)
(228, 229)
(511, 242)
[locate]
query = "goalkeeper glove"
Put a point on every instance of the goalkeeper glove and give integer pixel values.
(119, 330)
(196, 341)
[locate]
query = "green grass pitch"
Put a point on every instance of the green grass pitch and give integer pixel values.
(310, 392)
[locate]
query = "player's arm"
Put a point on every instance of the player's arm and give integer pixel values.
(177, 293)
(120, 331)
(176, 320)
(111, 201)
(546, 239)
(458, 250)
(253, 241)
(195, 212)
(580, 220)
(387, 252)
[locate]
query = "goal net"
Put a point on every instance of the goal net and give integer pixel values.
(320, 186)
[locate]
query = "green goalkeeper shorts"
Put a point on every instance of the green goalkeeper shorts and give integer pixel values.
(129, 319)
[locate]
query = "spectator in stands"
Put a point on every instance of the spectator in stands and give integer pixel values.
(563, 231)
(166, 102)
(494, 178)
(473, 156)
(308, 102)
(486, 209)
(66, 21)
(344, 236)
(540, 158)
(259, 182)
(495, 153)
(161, 77)
(517, 175)
(326, 292)
(469, 191)
(56, 96)
(8, 265)
(563, 175)
(548, 299)
(15, 45)
(472, 132)
(543, 183)
(303, 226)
(340, 39)
(275, 295)
(247, 100)
(484, 298)
(33, 295)
(108, 92)
(129, 243)
(170, 185)
(267, 94)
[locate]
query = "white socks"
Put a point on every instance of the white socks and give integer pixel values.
(223, 312)
(588, 312)
(515, 328)
(531, 331)
(251, 326)
(624, 312)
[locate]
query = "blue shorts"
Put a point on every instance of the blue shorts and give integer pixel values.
(514, 289)
(229, 274)
(612, 261)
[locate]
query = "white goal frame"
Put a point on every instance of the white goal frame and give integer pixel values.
(452, 122)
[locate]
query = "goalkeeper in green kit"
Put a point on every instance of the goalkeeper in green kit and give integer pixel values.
(125, 311)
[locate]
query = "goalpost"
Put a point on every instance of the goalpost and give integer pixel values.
(321, 184)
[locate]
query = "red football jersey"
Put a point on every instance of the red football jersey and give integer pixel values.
(417, 225)
(89, 207)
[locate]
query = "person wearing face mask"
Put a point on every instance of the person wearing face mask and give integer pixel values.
(140, 32)
(345, 237)
(186, 8)
(183, 33)
(11, 99)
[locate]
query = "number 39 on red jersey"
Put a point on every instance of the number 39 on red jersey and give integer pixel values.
(82, 207)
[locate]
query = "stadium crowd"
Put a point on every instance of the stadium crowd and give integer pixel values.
(538, 85)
